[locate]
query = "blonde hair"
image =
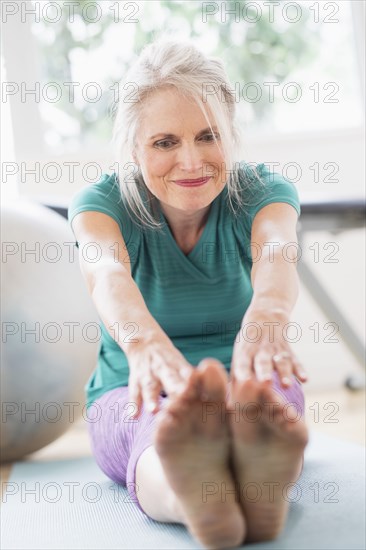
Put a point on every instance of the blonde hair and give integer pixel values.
(170, 63)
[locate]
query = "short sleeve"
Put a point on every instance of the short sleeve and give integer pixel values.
(266, 187)
(103, 196)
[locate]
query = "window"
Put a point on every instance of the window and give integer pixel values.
(294, 72)
(296, 68)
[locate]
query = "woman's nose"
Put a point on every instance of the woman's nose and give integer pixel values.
(190, 159)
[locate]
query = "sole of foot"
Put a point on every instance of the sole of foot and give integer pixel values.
(269, 439)
(192, 440)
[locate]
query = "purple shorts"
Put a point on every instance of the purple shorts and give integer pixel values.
(117, 440)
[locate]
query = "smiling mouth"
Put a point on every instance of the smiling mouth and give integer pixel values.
(189, 183)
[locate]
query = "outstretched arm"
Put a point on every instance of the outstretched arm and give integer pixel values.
(262, 336)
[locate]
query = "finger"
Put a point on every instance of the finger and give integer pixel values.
(135, 398)
(190, 382)
(186, 372)
(299, 370)
(284, 368)
(242, 370)
(172, 381)
(151, 388)
(263, 366)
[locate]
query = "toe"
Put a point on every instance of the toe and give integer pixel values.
(214, 380)
(246, 390)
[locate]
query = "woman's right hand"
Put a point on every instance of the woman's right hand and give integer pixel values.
(156, 365)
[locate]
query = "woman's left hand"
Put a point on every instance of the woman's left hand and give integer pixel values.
(261, 346)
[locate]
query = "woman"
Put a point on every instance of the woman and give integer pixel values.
(194, 282)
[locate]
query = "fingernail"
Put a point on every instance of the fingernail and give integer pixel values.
(241, 379)
(150, 406)
(186, 373)
(262, 376)
(286, 380)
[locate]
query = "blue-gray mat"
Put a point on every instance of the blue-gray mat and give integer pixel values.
(71, 504)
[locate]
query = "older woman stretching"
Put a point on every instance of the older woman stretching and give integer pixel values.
(195, 279)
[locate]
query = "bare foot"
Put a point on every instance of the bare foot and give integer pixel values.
(192, 440)
(268, 444)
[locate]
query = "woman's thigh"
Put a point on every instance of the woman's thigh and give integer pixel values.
(293, 395)
(115, 436)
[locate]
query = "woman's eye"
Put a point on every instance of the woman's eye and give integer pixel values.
(211, 136)
(163, 142)
(159, 143)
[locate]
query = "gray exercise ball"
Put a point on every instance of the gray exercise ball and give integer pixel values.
(50, 329)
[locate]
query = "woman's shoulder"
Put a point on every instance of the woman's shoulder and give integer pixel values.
(260, 185)
(103, 187)
(259, 180)
(104, 196)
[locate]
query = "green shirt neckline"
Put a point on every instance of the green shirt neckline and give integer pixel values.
(206, 229)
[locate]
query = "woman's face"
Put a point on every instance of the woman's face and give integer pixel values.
(173, 143)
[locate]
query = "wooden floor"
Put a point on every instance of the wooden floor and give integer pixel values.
(337, 413)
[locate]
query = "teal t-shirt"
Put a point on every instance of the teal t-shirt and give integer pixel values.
(198, 299)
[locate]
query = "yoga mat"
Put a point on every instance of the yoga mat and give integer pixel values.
(75, 506)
